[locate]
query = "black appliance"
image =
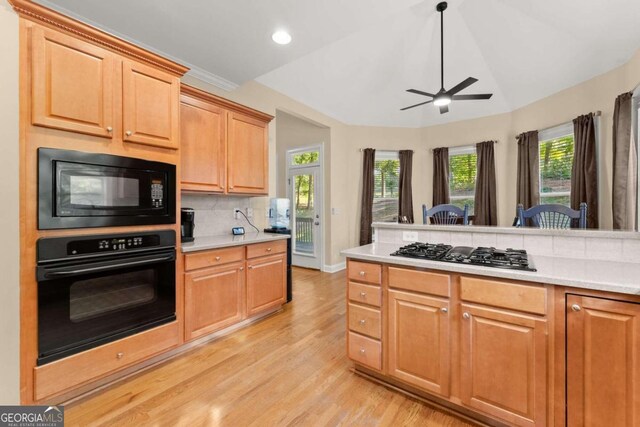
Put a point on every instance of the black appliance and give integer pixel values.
(96, 289)
(187, 224)
(78, 190)
(514, 259)
(278, 230)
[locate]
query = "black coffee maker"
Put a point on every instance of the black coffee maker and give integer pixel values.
(188, 223)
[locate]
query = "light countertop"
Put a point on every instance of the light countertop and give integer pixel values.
(227, 240)
(610, 276)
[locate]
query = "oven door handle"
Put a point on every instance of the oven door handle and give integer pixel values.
(64, 273)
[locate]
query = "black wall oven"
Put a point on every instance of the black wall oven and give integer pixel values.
(97, 289)
(78, 190)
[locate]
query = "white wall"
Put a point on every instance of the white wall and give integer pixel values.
(9, 219)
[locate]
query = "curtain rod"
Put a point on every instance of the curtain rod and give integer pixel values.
(597, 113)
(380, 151)
(460, 146)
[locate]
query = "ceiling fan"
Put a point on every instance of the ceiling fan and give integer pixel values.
(443, 98)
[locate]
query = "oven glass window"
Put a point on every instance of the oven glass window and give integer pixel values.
(103, 191)
(98, 296)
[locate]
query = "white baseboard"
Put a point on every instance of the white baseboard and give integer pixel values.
(334, 268)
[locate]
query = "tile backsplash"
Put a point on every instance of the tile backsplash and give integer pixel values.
(214, 214)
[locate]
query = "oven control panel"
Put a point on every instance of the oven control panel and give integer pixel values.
(111, 244)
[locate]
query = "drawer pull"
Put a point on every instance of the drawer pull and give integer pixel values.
(467, 316)
(576, 307)
(268, 249)
(109, 129)
(362, 351)
(362, 321)
(362, 273)
(250, 267)
(241, 268)
(363, 294)
(444, 309)
(120, 355)
(217, 258)
(128, 133)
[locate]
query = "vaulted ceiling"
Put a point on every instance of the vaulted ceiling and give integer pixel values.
(353, 60)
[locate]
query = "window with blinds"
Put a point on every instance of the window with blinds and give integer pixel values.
(463, 163)
(386, 175)
(556, 160)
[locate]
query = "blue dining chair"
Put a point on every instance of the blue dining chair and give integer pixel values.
(553, 216)
(445, 215)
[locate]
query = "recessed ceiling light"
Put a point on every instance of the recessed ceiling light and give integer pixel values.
(281, 37)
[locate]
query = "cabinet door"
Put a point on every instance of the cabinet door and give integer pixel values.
(419, 344)
(603, 362)
(213, 299)
(202, 145)
(150, 106)
(248, 155)
(504, 364)
(72, 84)
(266, 283)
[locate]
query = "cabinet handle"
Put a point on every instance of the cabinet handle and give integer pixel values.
(241, 268)
(231, 187)
(362, 351)
(363, 294)
(120, 355)
(361, 273)
(466, 315)
(109, 129)
(217, 258)
(444, 309)
(250, 267)
(576, 307)
(128, 133)
(268, 249)
(362, 321)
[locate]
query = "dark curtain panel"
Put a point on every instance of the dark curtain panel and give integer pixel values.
(440, 176)
(405, 204)
(486, 211)
(584, 173)
(528, 192)
(624, 166)
(366, 214)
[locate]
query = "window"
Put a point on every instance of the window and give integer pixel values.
(556, 161)
(463, 162)
(386, 176)
(306, 158)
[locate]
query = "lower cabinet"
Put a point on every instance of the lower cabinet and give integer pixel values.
(504, 364)
(266, 283)
(214, 298)
(419, 341)
(603, 362)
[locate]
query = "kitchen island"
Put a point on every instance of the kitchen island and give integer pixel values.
(556, 346)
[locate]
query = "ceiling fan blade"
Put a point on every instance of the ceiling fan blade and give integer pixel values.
(471, 97)
(417, 105)
(465, 84)
(444, 109)
(419, 92)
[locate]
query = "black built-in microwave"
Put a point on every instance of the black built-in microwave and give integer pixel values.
(82, 190)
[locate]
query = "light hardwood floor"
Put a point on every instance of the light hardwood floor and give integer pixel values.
(289, 369)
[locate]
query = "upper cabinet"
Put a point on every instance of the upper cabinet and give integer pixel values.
(150, 104)
(81, 87)
(225, 146)
(73, 84)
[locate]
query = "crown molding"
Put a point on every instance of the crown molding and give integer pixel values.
(41, 14)
(224, 103)
(207, 77)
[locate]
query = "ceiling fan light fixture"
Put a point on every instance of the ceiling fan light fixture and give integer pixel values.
(442, 100)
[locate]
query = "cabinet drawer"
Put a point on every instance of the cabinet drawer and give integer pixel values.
(527, 298)
(267, 248)
(365, 294)
(419, 281)
(212, 258)
(70, 372)
(364, 320)
(365, 272)
(365, 351)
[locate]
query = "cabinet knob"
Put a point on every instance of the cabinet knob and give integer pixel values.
(466, 315)
(231, 187)
(361, 273)
(268, 249)
(444, 310)
(362, 321)
(128, 133)
(109, 129)
(363, 294)
(576, 307)
(120, 355)
(241, 268)
(217, 258)
(250, 267)
(362, 351)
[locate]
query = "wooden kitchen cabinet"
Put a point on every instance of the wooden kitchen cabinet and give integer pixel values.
(504, 364)
(419, 341)
(203, 128)
(72, 84)
(214, 299)
(603, 362)
(247, 155)
(150, 106)
(266, 283)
